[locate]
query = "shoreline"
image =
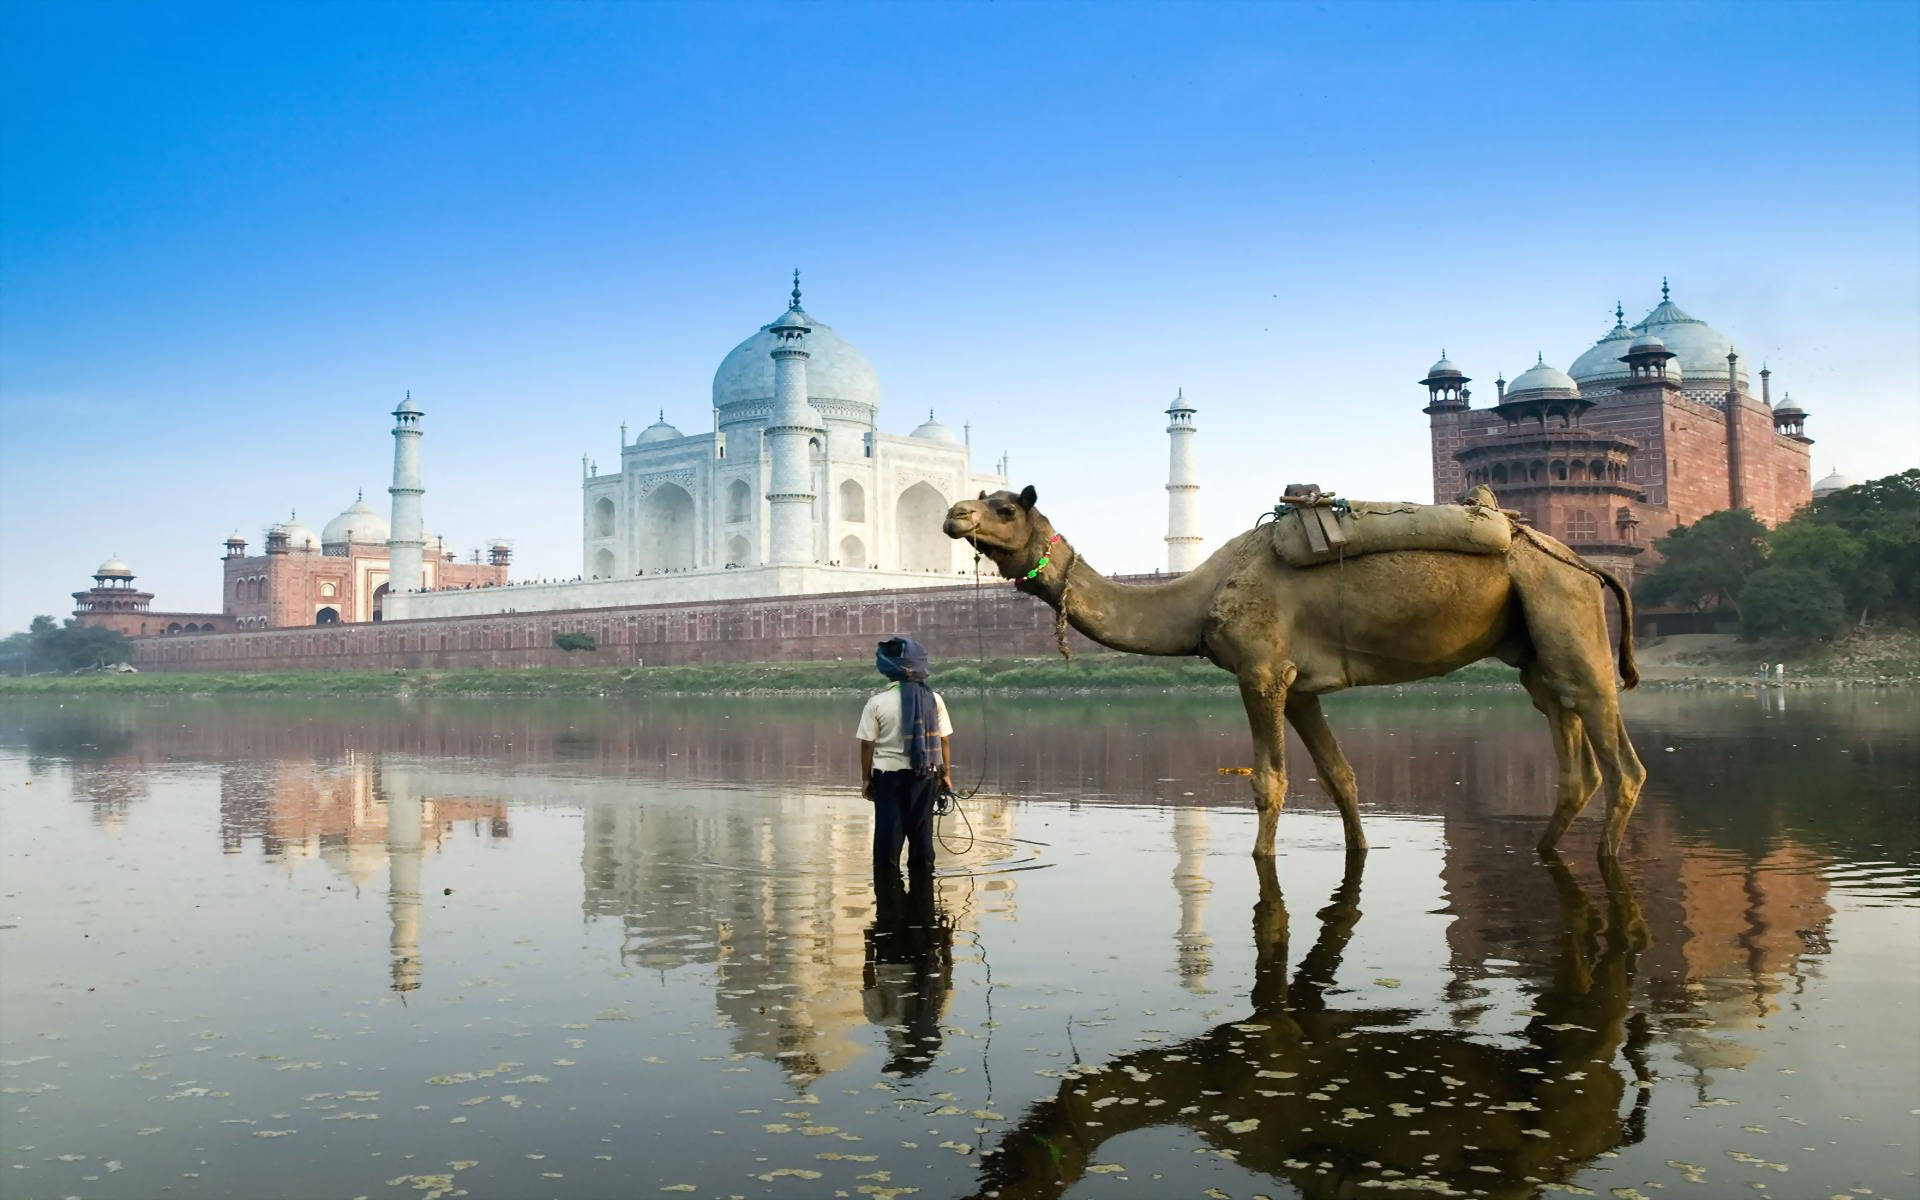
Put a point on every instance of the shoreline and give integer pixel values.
(1105, 675)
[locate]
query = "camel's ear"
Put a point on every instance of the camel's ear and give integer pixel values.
(1028, 496)
(983, 495)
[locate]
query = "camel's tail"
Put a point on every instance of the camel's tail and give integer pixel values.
(1629, 673)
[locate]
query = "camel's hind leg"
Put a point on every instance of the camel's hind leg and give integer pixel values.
(1336, 774)
(1263, 690)
(1574, 662)
(1579, 770)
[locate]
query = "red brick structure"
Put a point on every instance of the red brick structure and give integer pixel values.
(952, 622)
(114, 603)
(304, 581)
(1653, 427)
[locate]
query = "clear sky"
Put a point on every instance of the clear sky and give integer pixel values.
(232, 237)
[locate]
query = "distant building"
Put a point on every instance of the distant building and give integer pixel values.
(114, 603)
(1653, 426)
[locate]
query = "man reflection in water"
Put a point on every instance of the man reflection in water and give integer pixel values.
(909, 972)
(906, 758)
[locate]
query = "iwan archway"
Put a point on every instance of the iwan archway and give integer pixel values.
(664, 532)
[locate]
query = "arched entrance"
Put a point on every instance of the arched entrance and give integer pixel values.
(853, 552)
(603, 565)
(917, 520)
(853, 501)
(379, 601)
(739, 502)
(739, 553)
(603, 517)
(327, 616)
(665, 540)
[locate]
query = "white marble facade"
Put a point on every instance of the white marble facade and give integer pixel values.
(700, 502)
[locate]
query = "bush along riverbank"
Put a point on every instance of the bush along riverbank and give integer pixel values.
(1089, 673)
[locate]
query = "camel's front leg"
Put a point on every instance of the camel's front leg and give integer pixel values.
(1263, 690)
(1336, 774)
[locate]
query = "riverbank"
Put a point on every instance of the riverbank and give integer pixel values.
(1870, 658)
(1101, 673)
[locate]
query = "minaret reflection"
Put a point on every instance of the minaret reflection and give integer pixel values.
(1190, 880)
(405, 819)
(1327, 1088)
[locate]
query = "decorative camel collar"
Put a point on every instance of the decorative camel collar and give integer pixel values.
(1030, 580)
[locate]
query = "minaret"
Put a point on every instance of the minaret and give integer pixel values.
(405, 531)
(1736, 456)
(1183, 488)
(792, 425)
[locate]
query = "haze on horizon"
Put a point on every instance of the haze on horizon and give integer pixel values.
(232, 237)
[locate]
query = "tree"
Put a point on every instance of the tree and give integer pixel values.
(574, 641)
(1795, 602)
(1881, 517)
(50, 646)
(1708, 562)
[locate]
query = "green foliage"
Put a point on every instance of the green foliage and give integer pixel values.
(1708, 562)
(575, 641)
(50, 646)
(1881, 517)
(1795, 602)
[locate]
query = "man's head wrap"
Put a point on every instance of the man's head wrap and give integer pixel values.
(904, 661)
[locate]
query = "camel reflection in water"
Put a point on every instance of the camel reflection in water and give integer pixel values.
(1328, 1098)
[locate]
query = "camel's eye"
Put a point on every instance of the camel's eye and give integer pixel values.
(1004, 512)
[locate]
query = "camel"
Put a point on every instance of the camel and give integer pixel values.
(1291, 635)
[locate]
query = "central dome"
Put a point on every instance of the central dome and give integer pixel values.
(359, 523)
(835, 370)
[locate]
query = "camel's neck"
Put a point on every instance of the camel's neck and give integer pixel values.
(1146, 618)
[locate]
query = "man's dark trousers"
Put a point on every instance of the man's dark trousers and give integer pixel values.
(903, 812)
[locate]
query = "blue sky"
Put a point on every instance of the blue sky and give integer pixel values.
(232, 237)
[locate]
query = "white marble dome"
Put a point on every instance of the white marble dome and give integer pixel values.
(1835, 482)
(659, 431)
(299, 537)
(359, 523)
(1602, 359)
(835, 369)
(113, 568)
(1699, 348)
(1443, 367)
(1541, 378)
(933, 431)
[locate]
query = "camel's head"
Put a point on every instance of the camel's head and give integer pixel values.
(1003, 526)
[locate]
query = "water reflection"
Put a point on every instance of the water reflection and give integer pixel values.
(687, 937)
(1346, 1097)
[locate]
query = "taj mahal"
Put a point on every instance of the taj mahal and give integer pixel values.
(794, 491)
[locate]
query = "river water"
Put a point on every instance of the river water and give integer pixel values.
(589, 948)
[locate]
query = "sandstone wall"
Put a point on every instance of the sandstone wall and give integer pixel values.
(953, 622)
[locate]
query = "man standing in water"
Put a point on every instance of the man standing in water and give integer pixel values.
(905, 759)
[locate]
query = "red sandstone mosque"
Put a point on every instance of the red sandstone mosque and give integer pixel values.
(1652, 427)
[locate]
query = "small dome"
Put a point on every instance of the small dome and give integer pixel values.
(1787, 408)
(1542, 378)
(659, 431)
(237, 537)
(1443, 367)
(113, 568)
(299, 537)
(933, 431)
(1835, 482)
(1646, 341)
(359, 523)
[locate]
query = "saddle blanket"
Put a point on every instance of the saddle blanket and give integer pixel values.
(1310, 535)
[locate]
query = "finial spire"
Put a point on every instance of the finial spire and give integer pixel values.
(359, 494)
(1539, 358)
(663, 416)
(1664, 297)
(1619, 313)
(794, 304)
